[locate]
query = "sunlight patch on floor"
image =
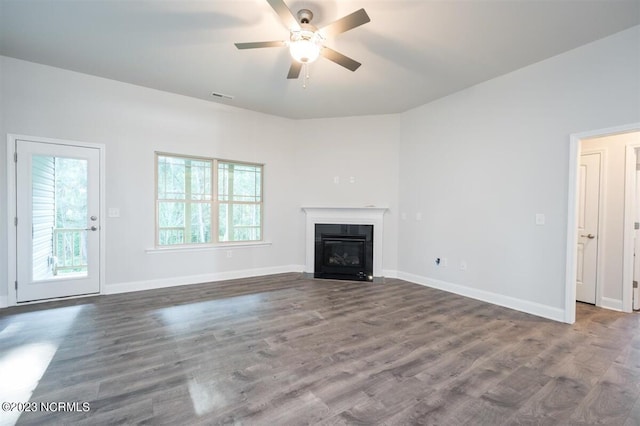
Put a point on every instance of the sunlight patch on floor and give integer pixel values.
(23, 362)
(21, 370)
(205, 398)
(181, 318)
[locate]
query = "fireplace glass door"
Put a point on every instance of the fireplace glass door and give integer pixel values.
(344, 252)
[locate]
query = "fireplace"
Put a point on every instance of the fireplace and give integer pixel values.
(337, 218)
(343, 251)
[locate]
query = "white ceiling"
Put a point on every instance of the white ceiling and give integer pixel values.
(412, 52)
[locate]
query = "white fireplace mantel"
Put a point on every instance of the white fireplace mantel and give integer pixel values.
(345, 215)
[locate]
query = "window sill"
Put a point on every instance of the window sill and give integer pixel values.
(208, 247)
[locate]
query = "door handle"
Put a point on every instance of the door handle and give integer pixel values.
(93, 228)
(589, 236)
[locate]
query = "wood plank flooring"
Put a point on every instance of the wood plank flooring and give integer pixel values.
(286, 350)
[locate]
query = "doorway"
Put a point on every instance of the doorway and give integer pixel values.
(57, 214)
(614, 274)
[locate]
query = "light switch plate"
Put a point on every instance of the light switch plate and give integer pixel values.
(540, 219)
(113, 212)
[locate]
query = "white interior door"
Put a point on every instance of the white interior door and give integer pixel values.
(58, 225)
(588, 214)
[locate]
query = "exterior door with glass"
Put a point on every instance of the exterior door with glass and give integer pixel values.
(58, 225)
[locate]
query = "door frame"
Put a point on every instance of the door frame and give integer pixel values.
(572, 220)
(636, 241)
(630, 206)
(12, 261)
(602, 213)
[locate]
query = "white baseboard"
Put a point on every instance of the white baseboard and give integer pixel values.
(496, 299)
(613, 304)
(127, 287)
(390, 273)
(533, 308)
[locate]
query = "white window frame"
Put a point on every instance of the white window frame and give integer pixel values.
(214, 202)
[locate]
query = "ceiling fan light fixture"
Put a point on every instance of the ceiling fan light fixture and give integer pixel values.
(304, 51)
(305, 45)
(306, 42)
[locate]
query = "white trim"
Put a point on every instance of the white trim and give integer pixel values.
(348, 215)
(207, 247)
(602, 214)
(11, 214)
(572, 231)
(11, 207)
(532, 308)
(57, 299)
(390, 273)
(346, 208)
(628, 232)
(572, 209)
(4, 302)
(613, 304)
(127, 287)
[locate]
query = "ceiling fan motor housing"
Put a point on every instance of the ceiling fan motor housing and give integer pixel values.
(304, 16)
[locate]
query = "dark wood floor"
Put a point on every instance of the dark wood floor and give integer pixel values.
(284, 350)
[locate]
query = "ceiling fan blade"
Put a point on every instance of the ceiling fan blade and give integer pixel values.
(294, 71)
(357, 18)
(288, 19)
(259, 44)
(340, 59)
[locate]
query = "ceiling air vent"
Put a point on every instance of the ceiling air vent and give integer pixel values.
(221, 95)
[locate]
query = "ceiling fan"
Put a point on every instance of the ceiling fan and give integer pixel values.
(306, 42)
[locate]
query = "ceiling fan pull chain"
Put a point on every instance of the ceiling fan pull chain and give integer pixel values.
(305, 77)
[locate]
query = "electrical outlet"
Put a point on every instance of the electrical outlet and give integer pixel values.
(463, 266)
(336, 179)
(229, 254)
(444, 262)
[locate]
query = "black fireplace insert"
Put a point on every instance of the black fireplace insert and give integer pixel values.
(344, 252)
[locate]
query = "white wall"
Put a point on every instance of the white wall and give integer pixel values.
(481, 163)
(133, 122)
(611, 236)
(362, 148)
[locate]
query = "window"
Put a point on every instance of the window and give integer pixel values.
(205, 200)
